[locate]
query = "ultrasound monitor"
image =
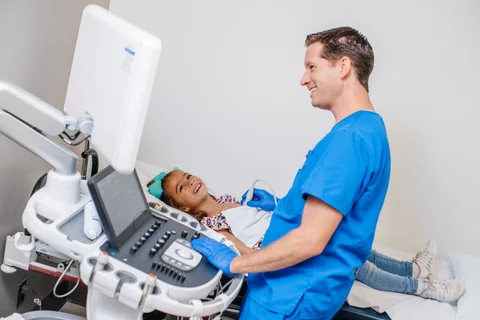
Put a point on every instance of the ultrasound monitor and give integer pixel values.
(120, 203)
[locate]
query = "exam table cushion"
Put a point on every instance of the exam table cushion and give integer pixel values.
(467, 268)
(145, 173)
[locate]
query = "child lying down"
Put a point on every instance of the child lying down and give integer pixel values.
(245, 227)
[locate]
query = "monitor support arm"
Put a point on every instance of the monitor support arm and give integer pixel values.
(28, 120)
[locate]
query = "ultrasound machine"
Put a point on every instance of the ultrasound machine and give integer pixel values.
(137, 259)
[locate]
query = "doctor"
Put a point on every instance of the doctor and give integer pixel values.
(324, 227)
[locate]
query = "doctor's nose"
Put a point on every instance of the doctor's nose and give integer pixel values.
(305, 79)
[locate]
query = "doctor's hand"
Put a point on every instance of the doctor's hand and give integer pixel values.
(261, 199)
(217, 253)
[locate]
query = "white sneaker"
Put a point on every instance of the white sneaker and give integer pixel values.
(443, 290)
(425, 261)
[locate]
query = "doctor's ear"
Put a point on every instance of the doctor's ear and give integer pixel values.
(345, 66)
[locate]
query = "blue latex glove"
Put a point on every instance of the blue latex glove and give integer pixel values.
(217, 253)
(261, 199)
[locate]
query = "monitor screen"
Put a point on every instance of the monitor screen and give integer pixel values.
(120, 203)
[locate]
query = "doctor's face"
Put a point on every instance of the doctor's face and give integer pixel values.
(187, 190)
(322, 78)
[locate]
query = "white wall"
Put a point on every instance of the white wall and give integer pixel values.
(227, 104)
(37, 40)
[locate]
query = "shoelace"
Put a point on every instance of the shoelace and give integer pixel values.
(438, 286)
(423, 257)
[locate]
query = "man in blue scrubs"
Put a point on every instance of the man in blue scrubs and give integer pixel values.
(324, 227)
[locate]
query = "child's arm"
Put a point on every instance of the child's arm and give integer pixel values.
(239, 244)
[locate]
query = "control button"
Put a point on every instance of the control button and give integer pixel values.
(184, 233)
(133, 249)
(171, 272)
(194, 237)
(165, 237)
(157, 246)
(161, 242)
(183, 278)
(143, 239)
(184, 254)
(179, 264)
(181, 241)
(162, 267)
(197, 234)
(174, 274)
(138, 244)
(186, 268)
(146, 235)
(173, 261)
(166, 258)
(154, 227)
(174, 232)
(154, 264)
(167, 269)
(187, 244)
(151, 230)
(152, 252)
(168, 233)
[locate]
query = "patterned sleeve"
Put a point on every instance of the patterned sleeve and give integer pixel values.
(227, 198)
(216, 223)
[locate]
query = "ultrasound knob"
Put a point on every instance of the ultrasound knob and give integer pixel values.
(152, 252)
(184, 233)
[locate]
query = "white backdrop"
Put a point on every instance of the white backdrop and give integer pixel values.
(228, 106)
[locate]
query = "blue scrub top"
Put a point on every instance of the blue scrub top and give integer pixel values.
(349, 169)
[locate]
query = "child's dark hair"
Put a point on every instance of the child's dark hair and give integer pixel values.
(198, 215)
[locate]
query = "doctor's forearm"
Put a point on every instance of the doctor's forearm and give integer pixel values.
(290, 250)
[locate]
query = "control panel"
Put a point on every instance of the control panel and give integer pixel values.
(161, 246)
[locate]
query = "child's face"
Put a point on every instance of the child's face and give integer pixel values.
(188, 191)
